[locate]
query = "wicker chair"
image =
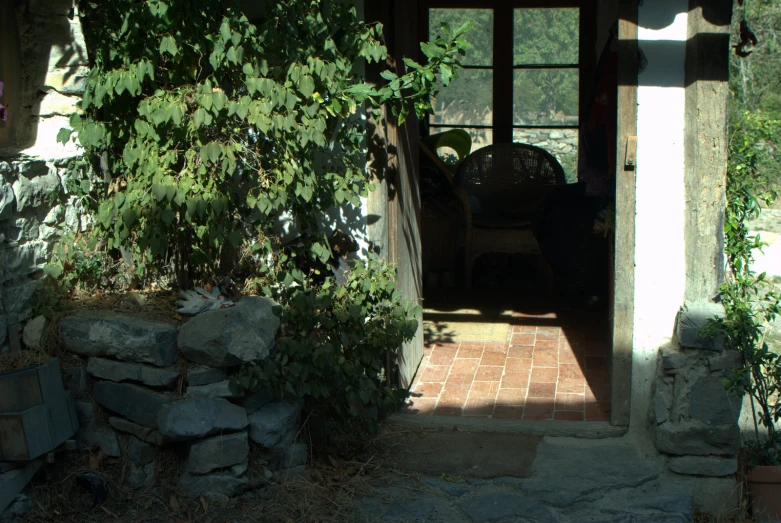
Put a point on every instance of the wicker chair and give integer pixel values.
(500, 187)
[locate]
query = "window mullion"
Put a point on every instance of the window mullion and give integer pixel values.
(503, 74)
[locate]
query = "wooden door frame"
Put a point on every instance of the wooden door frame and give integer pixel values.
(624, 244)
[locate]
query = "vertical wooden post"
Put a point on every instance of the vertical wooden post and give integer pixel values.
(706, 148)
(624, 273)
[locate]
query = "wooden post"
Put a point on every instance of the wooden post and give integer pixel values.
(706, 148)
(624, 268)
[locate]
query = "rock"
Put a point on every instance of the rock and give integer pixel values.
(712, 404)
(18, 510)
(35, 187)
(85, 412)
(218, 452)
(214, 487)
(704, 466)
(120, 336)
(697, 439)
(17, 298)
(451, 488)
(213, 390)
(21, 261)
(54, 103)
(692, 317)
(294, 456)
(505, 505)
(589, 472)
(144, 434)
(232, 336)
(6, 201)
(663, 399)
(196, 418)
(67, 80)
(55, 215)
(133, 402)
(240, 469)
(74, 379)
(102, 437)
(254, 400)
(142, 476)
(198, 375)
(139, 452)
(275, 425)
(726, 361)
(118, 371)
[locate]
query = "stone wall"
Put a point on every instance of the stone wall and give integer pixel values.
(34, 206)
(145, 385)
(561, 143)
(695, 418)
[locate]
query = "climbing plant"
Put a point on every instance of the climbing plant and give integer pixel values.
(750, 302)
(202, 125)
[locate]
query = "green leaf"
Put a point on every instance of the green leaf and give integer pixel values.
(168, 45)
(198, 117)
(306, 85)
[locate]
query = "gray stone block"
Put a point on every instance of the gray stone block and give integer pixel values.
(217, 452)
(139, 452)
(214, 487)
(692, 317)
(232, 336)
(697, 439)
(120, 336)
(86, 411)
(74, 380)
(504, 505)
(142, 476)
(198, 375)
(35, 186)
(704, 465)
(6, 201)
(726, 361)
(196, 418)
(33, 332)
(119, 371)
(712, 404)
(275, 425)
(102, 437)
(145, 434)
(254, 400)
(131, 401)
(220, 389)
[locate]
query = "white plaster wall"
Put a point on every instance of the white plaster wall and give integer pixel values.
(660, 268)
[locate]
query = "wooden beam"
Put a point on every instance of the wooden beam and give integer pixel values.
(624, 264)
(706, 147)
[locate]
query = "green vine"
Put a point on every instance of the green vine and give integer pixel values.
(749, 300)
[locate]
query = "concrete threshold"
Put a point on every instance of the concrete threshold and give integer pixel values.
(575, 429)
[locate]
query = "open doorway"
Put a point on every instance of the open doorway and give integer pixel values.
(520, 328)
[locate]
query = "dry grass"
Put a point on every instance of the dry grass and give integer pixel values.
(326, 494)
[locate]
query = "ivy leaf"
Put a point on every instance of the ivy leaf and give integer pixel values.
(198, 117)
(306, 85)
(168, 45)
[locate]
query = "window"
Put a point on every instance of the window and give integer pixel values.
(522, 80)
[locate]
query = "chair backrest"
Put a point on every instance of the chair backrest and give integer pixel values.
(510, 177)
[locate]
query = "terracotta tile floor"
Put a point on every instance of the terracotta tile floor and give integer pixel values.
(547, 370)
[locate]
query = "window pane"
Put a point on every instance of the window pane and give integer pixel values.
(545, 97)
(481, 36)
(561, 143)
(546, 36)
(480, 137)
(466, 101)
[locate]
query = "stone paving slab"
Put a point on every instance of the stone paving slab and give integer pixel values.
(602, 482)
